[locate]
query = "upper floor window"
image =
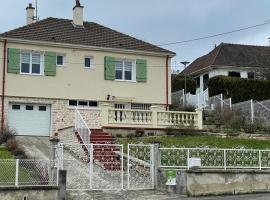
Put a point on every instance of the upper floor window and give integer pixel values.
(125, 70)
(60, 60)
(31, 63)
(88, 62)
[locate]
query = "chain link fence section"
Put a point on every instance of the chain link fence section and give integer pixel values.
(215, 158)
(262, 112)
(245, 109)
(28, 172)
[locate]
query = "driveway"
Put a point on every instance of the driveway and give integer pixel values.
(35, 147)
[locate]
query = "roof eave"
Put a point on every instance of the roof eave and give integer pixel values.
(87, 47)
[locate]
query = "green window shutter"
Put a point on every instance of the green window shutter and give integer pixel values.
(109, 70)
(141, 70)
(13, 61)
(50, 64)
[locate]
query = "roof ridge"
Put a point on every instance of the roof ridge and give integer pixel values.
(251, 45)
(220, 46)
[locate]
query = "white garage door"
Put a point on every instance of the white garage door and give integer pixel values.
(30, 119)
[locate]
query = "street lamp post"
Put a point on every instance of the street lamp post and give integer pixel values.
(185, 63)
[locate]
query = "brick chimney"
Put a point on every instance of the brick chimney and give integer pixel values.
(30, 14)
(78, 14)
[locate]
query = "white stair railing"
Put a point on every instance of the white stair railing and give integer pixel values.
(81, 127)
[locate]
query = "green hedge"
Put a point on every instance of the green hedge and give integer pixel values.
(239, 89)
(178, 83)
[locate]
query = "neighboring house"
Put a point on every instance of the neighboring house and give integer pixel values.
(228, 60)
(56, 65)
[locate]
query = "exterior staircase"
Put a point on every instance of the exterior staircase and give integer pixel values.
(104, 152)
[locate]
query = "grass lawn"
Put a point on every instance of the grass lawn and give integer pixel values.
(5, 154)
(8, 170)
(200, 141)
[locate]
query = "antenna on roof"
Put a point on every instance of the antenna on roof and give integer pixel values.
(36, 17)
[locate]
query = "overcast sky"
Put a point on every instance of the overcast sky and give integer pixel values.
(160, 21)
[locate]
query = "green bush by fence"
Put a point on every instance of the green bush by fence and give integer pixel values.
(178, 83)
(239, 89)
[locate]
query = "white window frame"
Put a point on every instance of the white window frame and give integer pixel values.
(91, 62)
(133, 70)
(31, 62)
(64, 59)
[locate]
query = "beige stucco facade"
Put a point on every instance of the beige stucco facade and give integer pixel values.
(73, 81)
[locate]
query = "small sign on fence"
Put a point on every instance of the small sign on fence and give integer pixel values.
(171, 177)
(194, 162)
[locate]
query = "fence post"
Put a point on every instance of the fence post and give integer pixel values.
(225, 160)
(54, 159)
(221, 101)
(188, 159)
(230, 101)
(17, 173)
(252, 110)
(260, 159)
(156, 164)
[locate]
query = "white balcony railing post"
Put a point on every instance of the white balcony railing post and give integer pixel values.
(105, 114)
(199, 118)
(155, 110)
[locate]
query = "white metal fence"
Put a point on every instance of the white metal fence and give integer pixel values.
(28, 172)
(218, 102)
(206, 158)
(81, 127)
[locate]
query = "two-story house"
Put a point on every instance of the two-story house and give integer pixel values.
(234, 60)
(53, 66)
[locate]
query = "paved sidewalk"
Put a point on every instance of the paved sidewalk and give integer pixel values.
(154, 195)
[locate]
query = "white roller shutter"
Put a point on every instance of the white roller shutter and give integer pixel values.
(30, 119)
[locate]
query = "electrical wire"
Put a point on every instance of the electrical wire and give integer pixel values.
(215, 35)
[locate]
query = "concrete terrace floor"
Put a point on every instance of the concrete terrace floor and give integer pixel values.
(154, 195)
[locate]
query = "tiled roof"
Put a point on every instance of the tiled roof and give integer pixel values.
(93, 34)
(236, 55)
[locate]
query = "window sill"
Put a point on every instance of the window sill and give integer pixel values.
(32, 74)
(131, 81)
(89, 68)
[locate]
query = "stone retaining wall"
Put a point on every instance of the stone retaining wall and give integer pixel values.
(217, 182)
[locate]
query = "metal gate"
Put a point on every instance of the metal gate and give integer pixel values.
(107, 167)
(92, 166)
(140, 175)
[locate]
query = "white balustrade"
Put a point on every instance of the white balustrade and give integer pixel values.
(153, 118)
(124, 116)
(169, 118)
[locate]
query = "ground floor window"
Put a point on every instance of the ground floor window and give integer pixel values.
(235, 74)
(82, 103)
